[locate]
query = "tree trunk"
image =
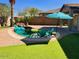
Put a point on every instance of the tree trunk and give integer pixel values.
(11, 20)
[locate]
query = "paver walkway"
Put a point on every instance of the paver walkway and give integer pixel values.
(6, 39)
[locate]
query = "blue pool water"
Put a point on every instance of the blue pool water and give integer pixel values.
(31, 34)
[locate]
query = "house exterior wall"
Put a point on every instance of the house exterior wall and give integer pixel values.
(72, 11)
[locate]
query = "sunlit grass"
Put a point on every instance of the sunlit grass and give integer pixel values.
(48, 51)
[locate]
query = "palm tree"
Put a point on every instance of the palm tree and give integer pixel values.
(12, 2)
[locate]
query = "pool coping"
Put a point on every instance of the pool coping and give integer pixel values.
(13, 34)
(19, 37)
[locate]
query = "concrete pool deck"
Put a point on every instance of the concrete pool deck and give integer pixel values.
(7, 40)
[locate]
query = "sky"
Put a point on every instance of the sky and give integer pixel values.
(44, 5)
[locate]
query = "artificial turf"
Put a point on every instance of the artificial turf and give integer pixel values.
(70, 45)
(52, 50)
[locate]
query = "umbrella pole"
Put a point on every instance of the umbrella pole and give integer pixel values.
(57, 25)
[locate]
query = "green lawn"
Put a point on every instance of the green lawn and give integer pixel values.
(70, 45)
(52, 50)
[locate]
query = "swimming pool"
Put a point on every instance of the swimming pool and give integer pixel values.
(31, 33)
